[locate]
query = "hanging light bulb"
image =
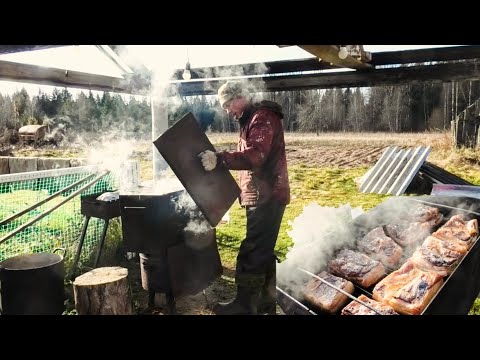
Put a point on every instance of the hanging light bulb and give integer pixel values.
(187, 75)
(343, 53)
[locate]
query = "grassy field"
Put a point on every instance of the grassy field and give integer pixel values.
(328, 187)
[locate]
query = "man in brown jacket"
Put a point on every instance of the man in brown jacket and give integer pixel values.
(265, 192)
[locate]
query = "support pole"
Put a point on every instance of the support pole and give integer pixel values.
(159, 109)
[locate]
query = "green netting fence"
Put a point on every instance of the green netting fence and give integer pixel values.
(61, 228)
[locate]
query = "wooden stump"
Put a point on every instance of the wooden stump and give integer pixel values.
(103, 291)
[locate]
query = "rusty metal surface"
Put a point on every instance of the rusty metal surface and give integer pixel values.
(151, 223)
(290, 305)
(154, 272)
(90, 206)
(194, 264)
(185, 268)
(32, 284)
(215, 191)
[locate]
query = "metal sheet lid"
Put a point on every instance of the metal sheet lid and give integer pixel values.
(213, 191)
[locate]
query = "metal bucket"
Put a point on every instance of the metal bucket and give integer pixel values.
(154, 272)
(33, 284)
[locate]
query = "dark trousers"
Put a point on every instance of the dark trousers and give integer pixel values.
(256, 255)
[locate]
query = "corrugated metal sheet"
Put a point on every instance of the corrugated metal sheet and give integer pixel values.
(438, 175)
(394, 171)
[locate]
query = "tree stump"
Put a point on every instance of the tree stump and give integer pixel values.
(103, 291)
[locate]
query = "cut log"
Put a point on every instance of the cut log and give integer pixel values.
(103, 291)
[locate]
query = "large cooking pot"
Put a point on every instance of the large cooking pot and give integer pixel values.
(33, 284)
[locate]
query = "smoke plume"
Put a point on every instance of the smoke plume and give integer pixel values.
(198, 224)
(109, 152)
(316, 233)
(165, 184)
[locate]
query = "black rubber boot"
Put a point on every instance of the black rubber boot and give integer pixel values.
(245, 303)
(268, 296)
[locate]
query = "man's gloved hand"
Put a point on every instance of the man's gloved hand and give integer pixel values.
(209, 159)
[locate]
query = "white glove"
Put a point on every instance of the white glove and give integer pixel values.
(209, 159)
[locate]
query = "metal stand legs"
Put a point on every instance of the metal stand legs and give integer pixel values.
(80, 245)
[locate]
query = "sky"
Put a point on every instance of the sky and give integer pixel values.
(159, 58)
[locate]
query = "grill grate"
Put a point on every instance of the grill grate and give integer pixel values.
(460, 288)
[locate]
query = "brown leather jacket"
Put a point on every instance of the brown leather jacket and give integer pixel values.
(260, 156)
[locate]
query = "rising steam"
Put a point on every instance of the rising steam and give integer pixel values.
(197, 224)
(316, 233)
(109, 152)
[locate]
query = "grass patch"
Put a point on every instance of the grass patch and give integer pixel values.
(475, 310)
(331, 187)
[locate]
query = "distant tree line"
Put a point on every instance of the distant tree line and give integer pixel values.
(403, 108)
(86, 113)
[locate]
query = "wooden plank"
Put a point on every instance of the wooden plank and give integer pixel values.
(454, 132)
(378, 58)
(113, 56)
(214, 191)
(9, 49)
(4, 165)
(329, 53)
(475, 136)
(12, 71)
(369, 182)
(470, 132)
(140, 83)
(269, 67)
(426, 55)
(478, 137)
(409, 171)
(458, 137)
(393, 160)
(366, 78)
(394, 173)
